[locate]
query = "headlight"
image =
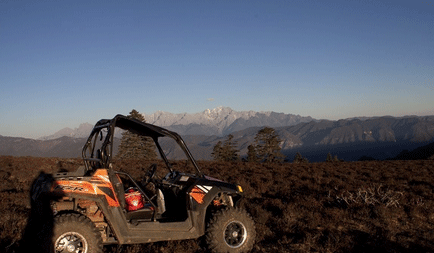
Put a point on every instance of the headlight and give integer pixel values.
(239, 188)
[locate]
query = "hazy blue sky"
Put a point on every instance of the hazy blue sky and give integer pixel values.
(63, 63)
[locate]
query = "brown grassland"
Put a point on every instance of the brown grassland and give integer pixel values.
(371, 206)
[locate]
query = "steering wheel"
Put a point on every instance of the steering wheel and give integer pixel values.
(150, 174)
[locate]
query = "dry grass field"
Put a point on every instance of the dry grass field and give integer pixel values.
(372, 206)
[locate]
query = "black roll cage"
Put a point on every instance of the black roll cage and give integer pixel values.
(103, 155)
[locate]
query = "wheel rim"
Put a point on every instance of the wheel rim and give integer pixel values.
(235, 234)
(70, 242)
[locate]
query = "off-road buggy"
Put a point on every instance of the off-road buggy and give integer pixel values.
(96, 205)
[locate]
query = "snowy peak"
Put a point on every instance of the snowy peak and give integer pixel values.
(218, 112)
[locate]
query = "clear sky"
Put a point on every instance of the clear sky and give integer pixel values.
(63, 63)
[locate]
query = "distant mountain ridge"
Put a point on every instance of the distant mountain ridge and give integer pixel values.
(218, 121)
(82, 131)
(380, 137)
(221, 121)
(60, 147)
(349, 139)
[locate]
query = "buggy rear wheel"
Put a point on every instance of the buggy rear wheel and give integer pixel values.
(75, 233)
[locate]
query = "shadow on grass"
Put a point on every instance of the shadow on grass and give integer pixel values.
(38, 233)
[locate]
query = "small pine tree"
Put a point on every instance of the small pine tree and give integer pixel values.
(300, 159)
(335, 158)
(136, 146)
(267, 145)
(329, 157)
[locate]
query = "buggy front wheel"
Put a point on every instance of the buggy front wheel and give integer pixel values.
(230, 230)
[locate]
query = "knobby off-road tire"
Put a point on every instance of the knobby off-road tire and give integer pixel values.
(230, 230)
(75, 233)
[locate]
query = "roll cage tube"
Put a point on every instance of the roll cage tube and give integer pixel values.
(160, 150)
(134, 126)
(103, 154)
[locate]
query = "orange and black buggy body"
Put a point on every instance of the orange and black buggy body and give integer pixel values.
(97, 205)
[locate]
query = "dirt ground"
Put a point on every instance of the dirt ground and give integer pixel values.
(371, 206)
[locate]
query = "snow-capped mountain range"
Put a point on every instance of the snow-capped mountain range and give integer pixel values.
(218, 121)
(220, 116)
(221, 121)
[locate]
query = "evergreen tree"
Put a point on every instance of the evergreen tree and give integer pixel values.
(329, 157)
(225, 151)
(252, 156)
(267, 145)
(217, 152)
(134, 145)
(229, 151)
(300, 159)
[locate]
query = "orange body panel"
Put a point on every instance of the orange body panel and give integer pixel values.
(98, 185)
(197, 194)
